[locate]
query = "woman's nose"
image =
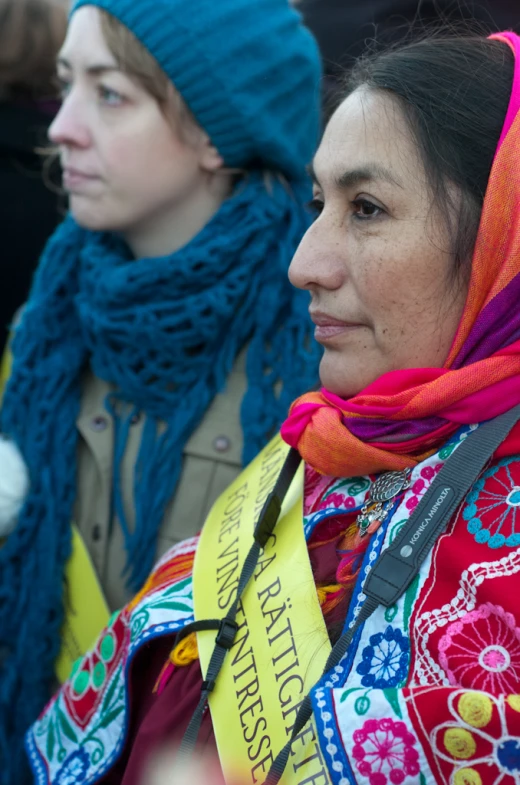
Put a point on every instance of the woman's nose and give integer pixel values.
(69, 127)
(316, 262)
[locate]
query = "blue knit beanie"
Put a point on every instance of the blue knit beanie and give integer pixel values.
(248, 70)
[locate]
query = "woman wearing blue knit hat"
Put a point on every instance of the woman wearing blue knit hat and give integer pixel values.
(162, 343)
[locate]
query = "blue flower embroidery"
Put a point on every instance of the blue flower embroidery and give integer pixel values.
(385, 661)
(493, 506)
(508, 754)
(74, 768)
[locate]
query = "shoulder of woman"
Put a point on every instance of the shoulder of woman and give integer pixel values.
(94, 701)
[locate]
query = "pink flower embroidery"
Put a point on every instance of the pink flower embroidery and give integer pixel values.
(384, 751)
(412, 502)
(482, 651)
(418, 486)
(338, 500)
(421, 484)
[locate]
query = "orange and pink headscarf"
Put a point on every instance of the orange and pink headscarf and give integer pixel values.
(404, 415)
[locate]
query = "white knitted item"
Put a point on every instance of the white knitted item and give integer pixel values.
(14, 484)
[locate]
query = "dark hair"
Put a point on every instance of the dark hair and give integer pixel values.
(31, 33)
(454, 92)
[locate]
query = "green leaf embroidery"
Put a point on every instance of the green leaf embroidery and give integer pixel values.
(391, 694)
(51, 741)
(358, 487)
(172, 606)
(110, 717)
(348, 692)
(422, 779)
(409, 599)
(446, 451)
(396, 528)
(66, 727)
(139, 623)
(390, 613)
(353, 485)
(176, 588)
(362, 705)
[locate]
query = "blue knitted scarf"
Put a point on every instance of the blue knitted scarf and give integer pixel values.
(165, 332)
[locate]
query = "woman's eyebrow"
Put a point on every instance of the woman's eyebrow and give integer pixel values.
(366, 173)
(96, 69)
(362, 174)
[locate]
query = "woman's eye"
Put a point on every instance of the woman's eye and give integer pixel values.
(64, 86)
(365, 210)
(315, 206)
(110, 97)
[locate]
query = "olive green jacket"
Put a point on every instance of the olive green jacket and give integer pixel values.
(212, 460)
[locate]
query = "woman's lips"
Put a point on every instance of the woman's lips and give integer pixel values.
(74, 180)
(328, 327)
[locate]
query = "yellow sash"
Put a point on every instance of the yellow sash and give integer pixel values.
(282, 644)
(86, 612)
(5, 370)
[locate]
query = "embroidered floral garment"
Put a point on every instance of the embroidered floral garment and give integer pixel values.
(429, 693)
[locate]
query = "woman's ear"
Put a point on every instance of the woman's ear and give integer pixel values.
(210, 159)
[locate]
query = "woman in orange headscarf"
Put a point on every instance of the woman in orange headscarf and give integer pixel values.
(410, 673)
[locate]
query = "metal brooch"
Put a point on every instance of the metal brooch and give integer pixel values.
(385, 488)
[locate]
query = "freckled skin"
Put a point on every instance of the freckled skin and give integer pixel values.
(384, 264)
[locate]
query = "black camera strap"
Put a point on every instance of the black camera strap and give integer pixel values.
(227, 627)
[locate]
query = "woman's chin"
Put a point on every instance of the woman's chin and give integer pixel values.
(87, 216)
(343, 379)
(92, 215)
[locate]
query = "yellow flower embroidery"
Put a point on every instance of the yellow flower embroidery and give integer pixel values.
(467, 777)
(475, 709)
(459, 743)
(514, 702)
(471, 728)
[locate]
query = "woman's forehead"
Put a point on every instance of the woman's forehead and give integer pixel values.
(368, 131)
(85, 45)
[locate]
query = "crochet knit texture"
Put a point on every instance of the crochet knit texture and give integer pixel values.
(166, 333)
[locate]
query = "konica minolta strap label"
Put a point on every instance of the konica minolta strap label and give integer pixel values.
(400, 562)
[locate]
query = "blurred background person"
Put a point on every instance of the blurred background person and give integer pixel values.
(345, 28)
(162, 342)
(31, 33)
